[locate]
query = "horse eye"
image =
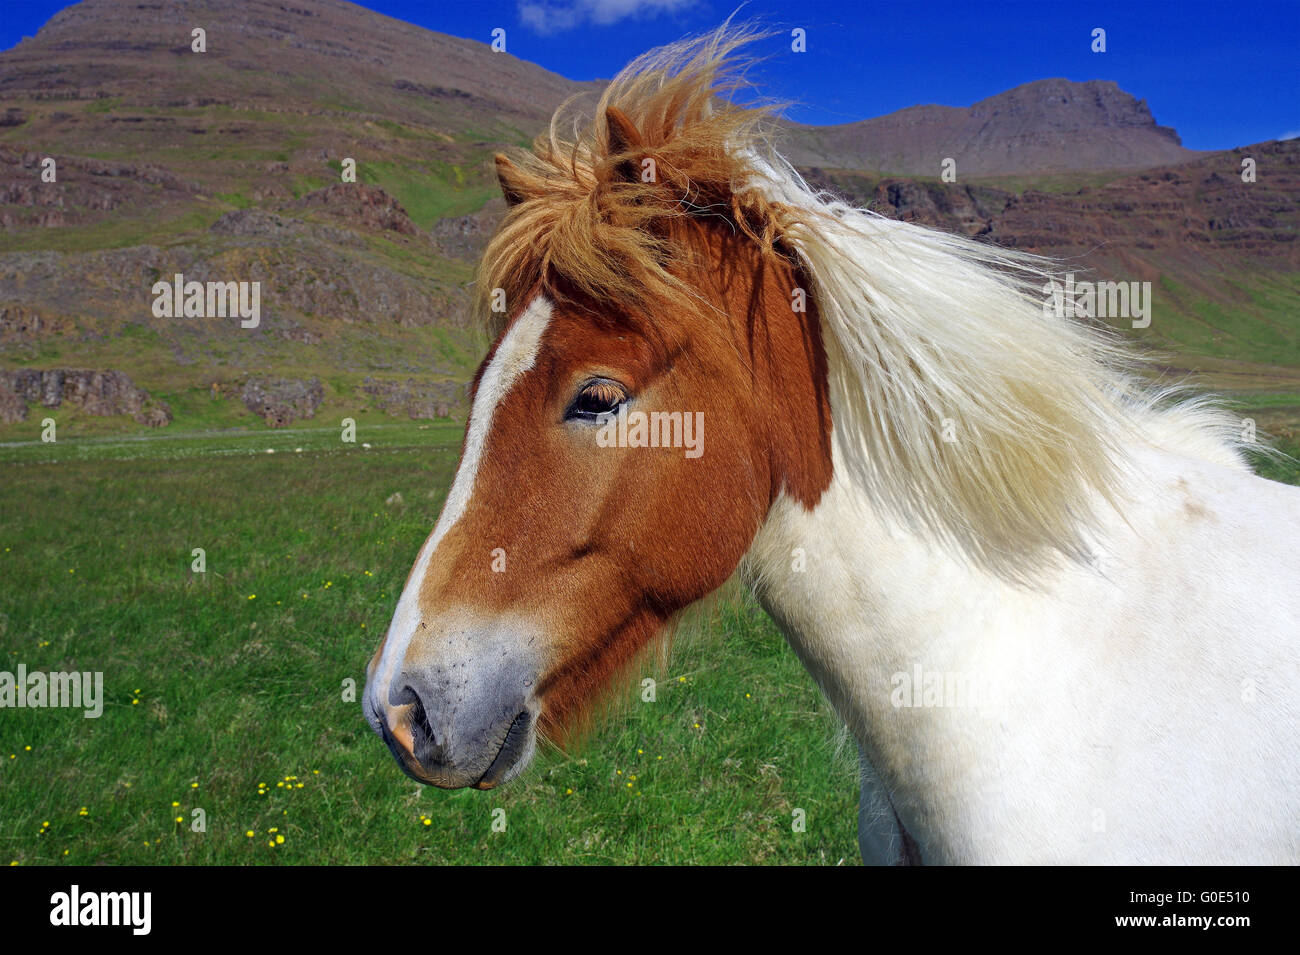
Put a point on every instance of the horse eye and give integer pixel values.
(596, 398)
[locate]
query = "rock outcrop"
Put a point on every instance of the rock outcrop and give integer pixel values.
(280, 401)
(357, 204)
(465, 237)
(100, 393)
(416, 399)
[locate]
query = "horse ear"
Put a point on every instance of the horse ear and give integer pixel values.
(623, 137)
(511, 180)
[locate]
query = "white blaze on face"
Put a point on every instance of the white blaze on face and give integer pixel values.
(514, 356)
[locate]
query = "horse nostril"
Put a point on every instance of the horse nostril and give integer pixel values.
(425, 746)
(457, 731)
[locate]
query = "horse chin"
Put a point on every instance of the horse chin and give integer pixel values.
(512, 760)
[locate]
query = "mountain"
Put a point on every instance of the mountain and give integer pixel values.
(278, 57)
(225, 166)
(1221, 253)
(1046, 126)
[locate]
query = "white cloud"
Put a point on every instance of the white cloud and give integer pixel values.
(1294, 134)
(556, 16)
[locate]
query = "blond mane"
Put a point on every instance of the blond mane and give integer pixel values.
(963, 408)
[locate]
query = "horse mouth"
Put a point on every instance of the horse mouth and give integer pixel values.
(512, 748)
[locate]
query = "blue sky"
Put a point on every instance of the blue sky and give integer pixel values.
(1223, 74)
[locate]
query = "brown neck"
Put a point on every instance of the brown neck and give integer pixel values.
(777, 331)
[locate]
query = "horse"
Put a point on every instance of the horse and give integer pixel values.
(1050, 601)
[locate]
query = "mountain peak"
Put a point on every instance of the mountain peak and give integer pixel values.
(1069, 105)
(1051, 125)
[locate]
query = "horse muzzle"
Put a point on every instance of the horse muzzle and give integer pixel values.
(482, 753)
(458, 720)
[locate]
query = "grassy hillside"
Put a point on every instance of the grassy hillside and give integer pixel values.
(228, 165)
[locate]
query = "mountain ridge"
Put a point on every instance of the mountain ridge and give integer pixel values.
(1049, 125)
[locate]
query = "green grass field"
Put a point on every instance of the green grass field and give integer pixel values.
(223, 691)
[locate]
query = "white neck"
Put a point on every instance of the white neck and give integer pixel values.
(861, 603)
(1092, 688)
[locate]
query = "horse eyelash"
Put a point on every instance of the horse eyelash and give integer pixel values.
(604, 391)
